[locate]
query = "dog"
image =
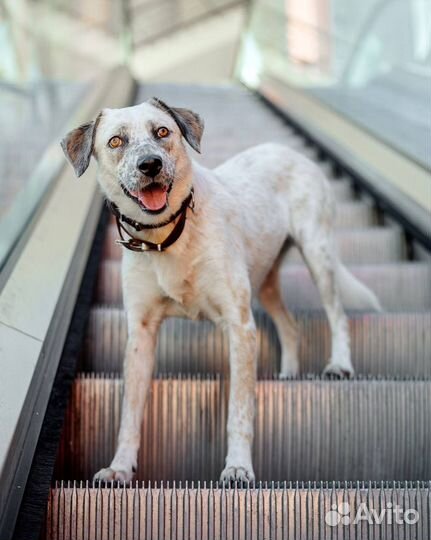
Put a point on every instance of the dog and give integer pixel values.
(200, 243)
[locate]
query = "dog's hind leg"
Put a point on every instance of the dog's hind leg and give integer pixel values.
(270, 297)
(322, 261)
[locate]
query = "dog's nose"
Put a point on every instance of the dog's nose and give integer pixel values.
(150, 165)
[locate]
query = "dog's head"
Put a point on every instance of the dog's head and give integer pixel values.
(143, 164)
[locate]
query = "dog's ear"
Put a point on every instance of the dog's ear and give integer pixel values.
(78, 145)
(191, 124)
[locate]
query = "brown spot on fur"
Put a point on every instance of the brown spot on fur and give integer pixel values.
(242, 299)
(246, 435)
(244, 314)
(249, 244)
(188, 295)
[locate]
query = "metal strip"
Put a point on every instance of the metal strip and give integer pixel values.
(209, 512)
(304, 429)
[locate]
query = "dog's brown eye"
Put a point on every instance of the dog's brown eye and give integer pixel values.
(162, 132)
(116, 142)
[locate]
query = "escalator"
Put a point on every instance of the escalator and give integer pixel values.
(323, 448)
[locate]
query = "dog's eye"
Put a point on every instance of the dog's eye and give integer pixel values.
(115, 142)
(162, 132)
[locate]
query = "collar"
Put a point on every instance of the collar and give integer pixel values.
(139, 245)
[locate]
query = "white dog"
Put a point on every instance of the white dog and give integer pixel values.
(241, 217)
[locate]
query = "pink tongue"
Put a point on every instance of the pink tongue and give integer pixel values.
(153, 198)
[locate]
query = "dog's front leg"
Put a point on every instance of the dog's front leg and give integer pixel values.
(240, 424)
(138, 369)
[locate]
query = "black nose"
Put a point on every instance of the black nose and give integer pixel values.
(150, 165)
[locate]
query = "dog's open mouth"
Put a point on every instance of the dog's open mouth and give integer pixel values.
(153, 198)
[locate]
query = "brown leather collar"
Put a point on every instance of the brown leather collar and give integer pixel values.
(139, 245)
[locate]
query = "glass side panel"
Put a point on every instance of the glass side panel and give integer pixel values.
(51, 53)
(368, 60)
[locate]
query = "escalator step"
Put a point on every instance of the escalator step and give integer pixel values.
(305, 429)
(387, 344)
(356, 246)
(342, 190)
(355, 214)
(372, 245)
(267, 512)
(401, 286)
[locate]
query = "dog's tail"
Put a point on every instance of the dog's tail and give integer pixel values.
(354, 294)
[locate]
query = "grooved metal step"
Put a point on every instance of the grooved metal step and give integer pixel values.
(304, 429)
(342, 190)
(356, 246)
(201, 511)
(372, 245)
(380, 344)
(355, 214)
(401, 286)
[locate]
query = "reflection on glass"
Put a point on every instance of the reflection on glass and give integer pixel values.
(51, 52)
(369, 60)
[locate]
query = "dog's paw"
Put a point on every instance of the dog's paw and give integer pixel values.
(233, 475)
(289, 367)
(338, 371)
(111, 475)
(288, 373)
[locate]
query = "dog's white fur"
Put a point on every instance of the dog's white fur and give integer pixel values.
(246, 211)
